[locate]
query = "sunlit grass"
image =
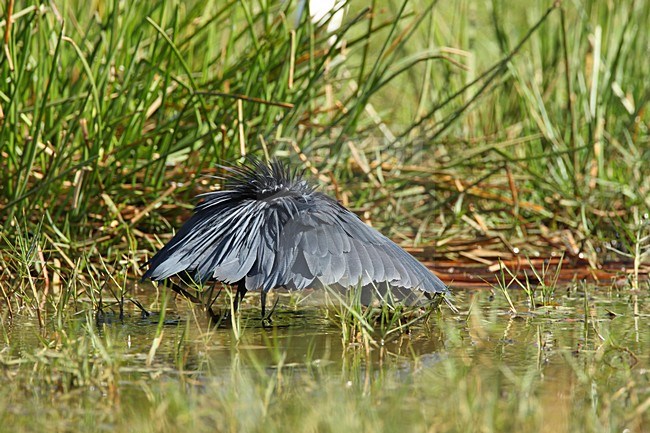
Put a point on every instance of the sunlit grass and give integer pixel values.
(438, 122)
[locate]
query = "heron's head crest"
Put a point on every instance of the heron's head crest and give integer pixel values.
(258, 179)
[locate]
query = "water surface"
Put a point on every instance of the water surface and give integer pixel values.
(585, 351)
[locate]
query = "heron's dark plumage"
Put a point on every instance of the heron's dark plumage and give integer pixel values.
(269, 228)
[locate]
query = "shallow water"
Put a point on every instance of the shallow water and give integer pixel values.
(586, 341)
(310, 332)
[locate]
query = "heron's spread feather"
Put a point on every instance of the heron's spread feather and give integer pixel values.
(270, 228)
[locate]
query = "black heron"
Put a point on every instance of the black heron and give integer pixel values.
(268, 228)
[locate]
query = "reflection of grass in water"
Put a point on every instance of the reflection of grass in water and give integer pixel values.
(491, 372)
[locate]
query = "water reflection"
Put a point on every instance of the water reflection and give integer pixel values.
(306, 335)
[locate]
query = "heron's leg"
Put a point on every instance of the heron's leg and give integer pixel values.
(215, 319)
(239, 296)
(266, 319)
(275, 304)
(143, 310)
(263, 296)
(212, 299)
(181, 291)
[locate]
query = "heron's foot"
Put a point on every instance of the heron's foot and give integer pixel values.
(267, 322)
(266, 318)
(143, 311)
(217, 319)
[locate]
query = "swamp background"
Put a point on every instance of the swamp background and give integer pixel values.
(503, 143)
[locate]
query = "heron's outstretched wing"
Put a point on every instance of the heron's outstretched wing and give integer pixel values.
(286, 239)
(220, 241)
(325, 244)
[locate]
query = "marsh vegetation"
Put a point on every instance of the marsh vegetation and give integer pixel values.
(490, 139)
